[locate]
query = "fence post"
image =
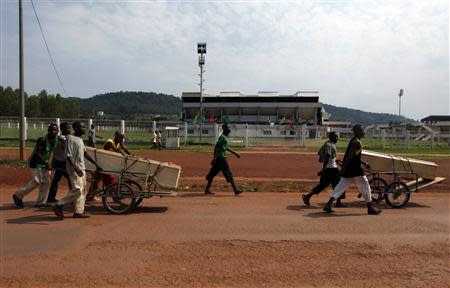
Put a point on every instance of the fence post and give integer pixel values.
(303, 142)
(89, 123)
(216, 132)
(26, 128)
(383, 139)
(432, 140)
(122, 126)
(246, 135)
(154, 127)
(185, 133)
(9, 125)
(58, 122)
(408, 140)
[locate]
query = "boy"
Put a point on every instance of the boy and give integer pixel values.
(38, 162)
(59, 162)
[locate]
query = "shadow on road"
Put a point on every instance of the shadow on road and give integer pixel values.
(215, 195)
(99, 209)
(34, 219)
(147, 209)
(299, 207)
(322, 214)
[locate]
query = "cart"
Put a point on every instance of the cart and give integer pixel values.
(395, 186)
(128, 190)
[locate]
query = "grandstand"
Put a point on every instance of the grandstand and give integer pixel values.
(266, 107)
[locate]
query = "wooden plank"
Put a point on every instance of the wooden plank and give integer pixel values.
(424, 183)
(167, 175)
(386, 162)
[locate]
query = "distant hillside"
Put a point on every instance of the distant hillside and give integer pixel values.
(131, 103)
(125, 104)
(362, 117)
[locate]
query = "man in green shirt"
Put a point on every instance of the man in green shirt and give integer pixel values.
(38, 162)
(220, 163)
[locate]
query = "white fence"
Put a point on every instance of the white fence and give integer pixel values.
(141, 132)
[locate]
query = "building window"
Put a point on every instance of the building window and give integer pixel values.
(190, 131)
(283, 132)
(292, 132)
(205, 131)
(267, 132)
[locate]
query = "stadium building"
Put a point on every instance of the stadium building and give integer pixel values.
(303, 107)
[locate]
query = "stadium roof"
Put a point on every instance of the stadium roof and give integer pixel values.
(436, 118)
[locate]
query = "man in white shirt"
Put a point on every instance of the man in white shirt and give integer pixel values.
(329, 173)
(75, 153)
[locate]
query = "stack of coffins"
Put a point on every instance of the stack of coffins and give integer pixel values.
(166, 175)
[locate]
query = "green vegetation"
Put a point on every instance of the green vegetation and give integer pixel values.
(134, 105)
(41, 105)
(362, 117)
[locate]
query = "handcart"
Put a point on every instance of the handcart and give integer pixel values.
(135, 180)
(396, 184)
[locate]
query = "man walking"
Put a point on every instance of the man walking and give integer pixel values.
(92, 135)
(38, 162)
(59, 162)
(75, 152)
(353, 172)
(220, 163)
(329, 173)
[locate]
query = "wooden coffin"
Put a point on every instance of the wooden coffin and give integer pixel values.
(388, 163)
(167, 175)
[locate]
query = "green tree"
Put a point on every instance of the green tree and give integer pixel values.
(32, 107)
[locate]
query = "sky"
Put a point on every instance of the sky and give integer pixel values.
(357, 54)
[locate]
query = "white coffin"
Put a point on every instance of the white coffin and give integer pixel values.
(388, 163)
(167, 174)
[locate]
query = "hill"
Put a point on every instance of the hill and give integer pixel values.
(133, 103)
(362, 117)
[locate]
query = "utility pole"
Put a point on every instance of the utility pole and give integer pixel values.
(22, 96)
(201, 50)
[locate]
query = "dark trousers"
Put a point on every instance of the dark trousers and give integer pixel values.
(60, 171)
(220, 164)
(329, 176)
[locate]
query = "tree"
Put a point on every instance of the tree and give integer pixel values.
(32, 107)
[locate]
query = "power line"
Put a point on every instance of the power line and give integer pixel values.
(48, 50)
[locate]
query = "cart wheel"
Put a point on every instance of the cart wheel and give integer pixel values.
(137, 189)
(118, 198)
(397, 194)
(378, 187)
(92, 183)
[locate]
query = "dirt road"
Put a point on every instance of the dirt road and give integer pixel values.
(256, 240)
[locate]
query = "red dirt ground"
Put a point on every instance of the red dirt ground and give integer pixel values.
(254, 240)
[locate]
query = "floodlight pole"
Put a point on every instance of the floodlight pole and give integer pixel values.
(22, 97)
(201, 50)
(400, 94)
(201, 100)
